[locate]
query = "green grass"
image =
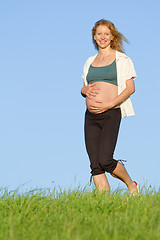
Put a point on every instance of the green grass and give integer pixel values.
(79, 214)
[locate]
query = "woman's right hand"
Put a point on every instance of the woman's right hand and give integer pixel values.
(90, 91)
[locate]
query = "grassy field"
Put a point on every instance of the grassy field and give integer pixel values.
(79, 215)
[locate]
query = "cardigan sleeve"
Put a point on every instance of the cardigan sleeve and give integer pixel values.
(84, 70)
(84, 73)
(86, 67)
(130, 70)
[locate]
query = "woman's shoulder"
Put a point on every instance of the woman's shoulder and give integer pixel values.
(125, 59)
(91, 58)
(126, 65)
(122, 55)
(88, 62)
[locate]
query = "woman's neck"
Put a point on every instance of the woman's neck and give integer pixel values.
(106, 52)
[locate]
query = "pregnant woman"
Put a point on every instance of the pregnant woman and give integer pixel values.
(108, 83)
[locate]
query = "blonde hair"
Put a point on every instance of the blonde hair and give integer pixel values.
(116, 43)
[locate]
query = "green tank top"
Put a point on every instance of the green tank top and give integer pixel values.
(103, 74)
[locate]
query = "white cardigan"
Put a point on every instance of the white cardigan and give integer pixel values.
(125, 71)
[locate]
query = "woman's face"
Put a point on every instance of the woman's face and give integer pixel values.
(103, 36)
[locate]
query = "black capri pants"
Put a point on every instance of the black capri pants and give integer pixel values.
(101, 132)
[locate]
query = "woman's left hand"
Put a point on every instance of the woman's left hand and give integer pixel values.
(99, 107)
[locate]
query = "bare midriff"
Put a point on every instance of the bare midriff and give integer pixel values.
(107, 93)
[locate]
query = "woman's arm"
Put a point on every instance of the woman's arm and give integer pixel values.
(129, 90)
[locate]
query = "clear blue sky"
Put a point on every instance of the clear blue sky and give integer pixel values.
(43, 46)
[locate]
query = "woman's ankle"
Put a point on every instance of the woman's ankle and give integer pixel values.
(133, 188)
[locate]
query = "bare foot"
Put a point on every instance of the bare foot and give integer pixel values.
(135, 189)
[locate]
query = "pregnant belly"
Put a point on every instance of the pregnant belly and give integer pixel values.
(107, 92)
